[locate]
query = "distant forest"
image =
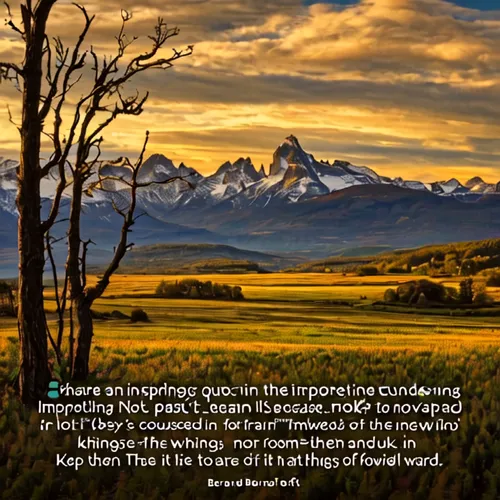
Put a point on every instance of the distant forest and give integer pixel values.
(461, 259)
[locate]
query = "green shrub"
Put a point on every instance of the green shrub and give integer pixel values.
(452, 294)
(451, 267)
(237, 293)
(480, 296)
(169, 290)
(139, 315)
(391, 295)
(396, 270)
(466, 294)
(119, 315)
(410, 292)
(422, 270)
(468, 267)
(493, 279)
(367, 271)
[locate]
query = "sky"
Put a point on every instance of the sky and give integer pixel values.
(410, 88)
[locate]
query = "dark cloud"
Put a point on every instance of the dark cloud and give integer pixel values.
(438, 100)
(386, 83)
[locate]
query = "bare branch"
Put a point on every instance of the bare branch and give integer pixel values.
(129, 217)
(11, 119)
(11, 23)
(76, 62)
(84, 261)
(10, 72)
(49, 241)
(168, 181)
(9, 12)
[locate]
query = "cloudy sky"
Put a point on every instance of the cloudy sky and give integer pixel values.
(408, 87)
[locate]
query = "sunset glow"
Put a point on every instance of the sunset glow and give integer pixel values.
(408, 87)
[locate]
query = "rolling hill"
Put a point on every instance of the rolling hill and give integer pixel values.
(299, 206)
(469, 257)
(202, 258)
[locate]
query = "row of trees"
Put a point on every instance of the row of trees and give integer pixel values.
(424, 292)
(449, 266)
(50, 79)
(193, 288)
(462, 259)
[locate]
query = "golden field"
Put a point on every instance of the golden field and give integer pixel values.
(281, 311)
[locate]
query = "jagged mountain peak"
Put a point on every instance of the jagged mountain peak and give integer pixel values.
(241, 162)
(290, 154)
(449, 187)
(341, 163)
(224, 168)
(158, 159)
(158, 167)
(292, 141)
(474, 181)
(293, 176)
(188, 172)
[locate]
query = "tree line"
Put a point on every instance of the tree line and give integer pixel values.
(425, 292)
(462, 259)
(196, 289)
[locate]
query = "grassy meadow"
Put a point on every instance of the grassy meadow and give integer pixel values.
(280, 311)
(317, 329)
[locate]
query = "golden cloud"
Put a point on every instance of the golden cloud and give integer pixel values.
(405, 86)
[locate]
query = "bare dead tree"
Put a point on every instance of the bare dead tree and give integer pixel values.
(95, 111)
(34, 372)
(47, 76)
(128, 175)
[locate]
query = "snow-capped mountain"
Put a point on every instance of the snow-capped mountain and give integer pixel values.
(453, 186)
(298, 204)
(229, 180)
(294, 176)
(477, 185)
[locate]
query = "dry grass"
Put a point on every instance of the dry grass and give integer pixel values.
(280, 313)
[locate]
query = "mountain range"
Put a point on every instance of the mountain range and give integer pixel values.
(298, 205)
(293, 176)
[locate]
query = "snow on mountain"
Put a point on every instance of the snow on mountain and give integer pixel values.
(157, 168)
(361, 172)
(229, 180)
(453, 186)
(189, 174)
(343, 174)
(477, 185)
(294, 175)
(416, 185)
(8, 200)
(475, 181)
(8, 170)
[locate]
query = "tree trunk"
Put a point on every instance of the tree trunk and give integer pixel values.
(82, 328)
(34, 373)
(83, 323)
